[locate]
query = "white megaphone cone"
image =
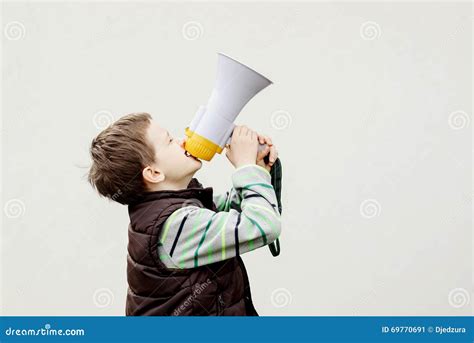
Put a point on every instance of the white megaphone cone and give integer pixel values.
(212, 126)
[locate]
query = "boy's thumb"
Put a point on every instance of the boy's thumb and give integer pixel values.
(264, 152)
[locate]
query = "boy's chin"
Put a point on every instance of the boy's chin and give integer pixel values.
(196, 164)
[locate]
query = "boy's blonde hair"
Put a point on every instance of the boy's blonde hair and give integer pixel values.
(119, 154)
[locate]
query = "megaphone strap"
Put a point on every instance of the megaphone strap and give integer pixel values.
(276, 174)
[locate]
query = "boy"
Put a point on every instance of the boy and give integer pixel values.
(184, 243)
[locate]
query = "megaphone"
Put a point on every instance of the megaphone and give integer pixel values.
(212, 126)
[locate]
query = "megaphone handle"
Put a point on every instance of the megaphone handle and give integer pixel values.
(276, 173)
(266, 159)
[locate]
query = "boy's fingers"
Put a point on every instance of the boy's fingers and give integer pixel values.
(273, 154)
(237, 130)
(263, 153)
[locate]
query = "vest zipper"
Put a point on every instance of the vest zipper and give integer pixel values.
(247, 294)
(220, 304)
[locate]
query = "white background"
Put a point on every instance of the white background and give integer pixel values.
(370, 111)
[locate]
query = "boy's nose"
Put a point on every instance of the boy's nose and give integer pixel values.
(182, 142)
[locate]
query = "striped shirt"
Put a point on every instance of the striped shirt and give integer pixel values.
(247, 218)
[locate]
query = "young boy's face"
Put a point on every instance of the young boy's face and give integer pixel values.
(170, 157)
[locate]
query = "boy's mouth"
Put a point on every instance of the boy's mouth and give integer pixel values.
(189, 155)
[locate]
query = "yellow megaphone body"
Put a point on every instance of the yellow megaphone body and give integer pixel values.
(212, 126)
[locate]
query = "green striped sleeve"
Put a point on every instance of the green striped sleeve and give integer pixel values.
(194, 236)
(227, 200)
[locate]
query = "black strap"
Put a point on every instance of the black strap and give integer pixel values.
(276, 173)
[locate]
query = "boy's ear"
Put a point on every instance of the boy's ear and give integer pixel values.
(153, 175)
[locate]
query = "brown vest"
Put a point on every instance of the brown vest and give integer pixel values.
(221, 288)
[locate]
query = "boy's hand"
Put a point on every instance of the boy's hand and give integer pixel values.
(269, 149)
(243, 147)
